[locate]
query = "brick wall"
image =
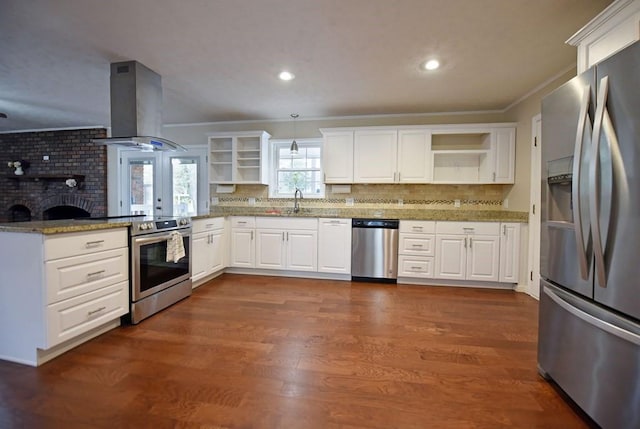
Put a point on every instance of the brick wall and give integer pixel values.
(70, 153)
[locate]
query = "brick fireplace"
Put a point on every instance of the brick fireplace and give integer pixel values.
(42, 191)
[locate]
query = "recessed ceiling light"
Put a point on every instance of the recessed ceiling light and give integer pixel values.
(285, 75)
(431, 65)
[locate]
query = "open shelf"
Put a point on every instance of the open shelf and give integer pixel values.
(47, 178)
(238, 157)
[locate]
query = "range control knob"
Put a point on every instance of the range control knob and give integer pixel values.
(142, 226)
(183, 221)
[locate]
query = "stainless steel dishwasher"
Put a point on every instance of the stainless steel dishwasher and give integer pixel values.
(374, 250)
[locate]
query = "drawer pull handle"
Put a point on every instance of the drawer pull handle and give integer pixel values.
(94, 243)
(416, 245)
(416, 268)
(98, 310)
(97, 273)
(209, 225)
(334, 221)
(417, 227)
(241, 222)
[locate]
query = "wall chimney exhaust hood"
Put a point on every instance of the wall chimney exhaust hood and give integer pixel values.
(136, 109)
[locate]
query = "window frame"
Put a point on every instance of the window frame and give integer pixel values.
(274, 145)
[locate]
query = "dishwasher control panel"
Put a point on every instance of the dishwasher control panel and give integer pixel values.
(376, 223)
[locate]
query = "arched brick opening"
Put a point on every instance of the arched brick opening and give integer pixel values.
(19, 213)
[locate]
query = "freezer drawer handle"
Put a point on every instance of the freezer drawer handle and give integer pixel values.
(594, 321)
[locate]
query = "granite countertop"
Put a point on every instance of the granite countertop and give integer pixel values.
(61, 226)
(387, 213)
(76, 225)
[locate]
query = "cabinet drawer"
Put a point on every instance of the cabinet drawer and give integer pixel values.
(209, 224)
(243, 222)
(415, 266)
(70, 277)
(287, 223)
(81, 243)
(417, 244)
(334, 221)
(481, 228)
(418, 226)
(72, 317)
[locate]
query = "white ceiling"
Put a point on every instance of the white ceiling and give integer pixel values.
(219, 58)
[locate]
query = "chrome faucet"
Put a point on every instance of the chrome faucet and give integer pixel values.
(296, 202)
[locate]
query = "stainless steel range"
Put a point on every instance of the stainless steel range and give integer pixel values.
(159, 278)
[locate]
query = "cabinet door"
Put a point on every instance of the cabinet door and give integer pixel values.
(270, 245)
(483, 253)
(242, 248)
(302, 250)
(504, 155)
(334, 246)
(199, 254)
(337, 157)
(451, 257)
(217, 251)
(375, 156)
(510, 252)
(414, 156)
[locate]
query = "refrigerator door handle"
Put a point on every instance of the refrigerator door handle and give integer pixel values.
(602, 120)
(575, 186)
(592, 320)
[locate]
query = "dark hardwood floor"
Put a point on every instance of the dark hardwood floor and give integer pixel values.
(270, 352)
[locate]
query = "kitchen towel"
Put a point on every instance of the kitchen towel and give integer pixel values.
(175, 247)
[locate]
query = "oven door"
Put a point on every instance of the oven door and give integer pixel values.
(151, 272)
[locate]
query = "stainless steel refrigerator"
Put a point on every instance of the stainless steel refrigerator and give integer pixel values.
(589, 327)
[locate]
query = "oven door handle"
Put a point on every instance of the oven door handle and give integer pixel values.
(157, 238)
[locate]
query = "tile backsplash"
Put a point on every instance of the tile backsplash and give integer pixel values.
(481, 197)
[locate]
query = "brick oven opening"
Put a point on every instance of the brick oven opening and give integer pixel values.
(19, 213)
(64, 212)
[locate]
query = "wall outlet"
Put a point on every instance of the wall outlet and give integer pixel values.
(45, 157)
(252, 201)
(456, 203)
(400, 201)
(215, 201)
(349, 202)
(505, 203)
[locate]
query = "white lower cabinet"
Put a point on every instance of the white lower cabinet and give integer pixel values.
(334, 246)
(243, 249)
(60, 290)
(416, 252)
(443, 250)
(207, 248)
(287, 243)
(509, 252)
(468, 251)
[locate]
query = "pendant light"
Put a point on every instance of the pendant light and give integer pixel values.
(294, 145)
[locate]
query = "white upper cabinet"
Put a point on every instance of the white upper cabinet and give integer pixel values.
(451, 154)
(615, 28)
(414, 156)
(337, 156)
(504, 155)
(241, 157)
(375, 156)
